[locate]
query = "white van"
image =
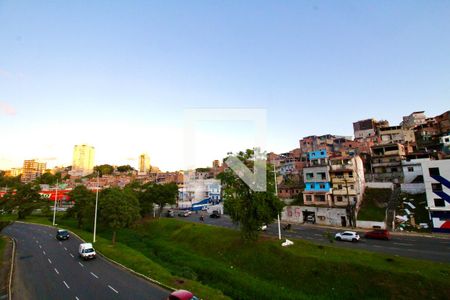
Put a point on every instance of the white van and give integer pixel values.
(86, 251)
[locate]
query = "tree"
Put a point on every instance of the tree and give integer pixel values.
(160, 194)
(49, 178)
(26, 199)
(10, 182)
(247, 208)
(125, 168)
(104, 169)
(84, 206)
(165, 194)
(118, 209)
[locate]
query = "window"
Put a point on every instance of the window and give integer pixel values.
(439, 202)
(410, 169)
(320, 198)
(322, 175)
(339, 199)
(434, 171)
(339, 186)
(436, 187)
(393, 170)
(352, 187)
(321, 186)
(350, 175)
(309, 176)
(308, 198)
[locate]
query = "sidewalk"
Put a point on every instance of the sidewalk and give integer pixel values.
(5, 266)
(396, 233)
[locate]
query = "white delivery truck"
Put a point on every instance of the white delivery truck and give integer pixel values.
(86, 251)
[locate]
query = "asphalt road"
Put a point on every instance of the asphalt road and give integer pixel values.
(420, 247)
(48, 269)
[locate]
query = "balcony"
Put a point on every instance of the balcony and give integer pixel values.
(342, 203)
(342, 179)
(343, 192)
(342, 167)
(387, 164)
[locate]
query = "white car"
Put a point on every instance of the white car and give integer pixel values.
(349, 236)
(86, 251)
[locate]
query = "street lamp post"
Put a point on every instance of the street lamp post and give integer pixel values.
(96, 205)
(276, 194)
(54, 207)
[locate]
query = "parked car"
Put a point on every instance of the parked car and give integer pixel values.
(263, 227)
(185, 213)
(215, 214)
(170, 214)
(182, 295)
(62, 234)
(379, 234)
(86, 251)
(349, 236)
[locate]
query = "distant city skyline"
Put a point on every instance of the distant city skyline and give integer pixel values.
(119, 75)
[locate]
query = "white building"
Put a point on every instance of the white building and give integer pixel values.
(436, 175)
(413, 176)
(198, 190)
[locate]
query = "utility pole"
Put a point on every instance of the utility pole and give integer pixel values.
(349, 208)
(96, 205)
(54, 207)
(276, 194)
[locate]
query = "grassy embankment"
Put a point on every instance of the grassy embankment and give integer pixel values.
(181, 254)
(373, 207)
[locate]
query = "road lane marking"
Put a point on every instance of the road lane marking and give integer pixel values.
(49, 260)
(56, 270)
(81, 264)
(36, 241)
(65, 248)
(378, 246)
(402, 244)
(113, 289)
(43, 252)
(49, 235)
(60, 243)
(67, 286)
(77, 298)
(71, 255)
(40, 247)
(94, 275)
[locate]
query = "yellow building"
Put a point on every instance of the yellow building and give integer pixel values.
(144, 163)
(83, 160)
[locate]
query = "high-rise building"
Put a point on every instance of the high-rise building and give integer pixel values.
(83, 160)
(32, 169)
(144, 163)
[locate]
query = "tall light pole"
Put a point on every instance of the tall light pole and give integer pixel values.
(276, 194)
(96, 204)
(54, 207)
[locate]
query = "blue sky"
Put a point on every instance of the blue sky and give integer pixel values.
(119, 74)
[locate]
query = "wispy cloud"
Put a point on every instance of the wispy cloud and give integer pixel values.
(51, 158)
(7, 109)
(5, 74)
